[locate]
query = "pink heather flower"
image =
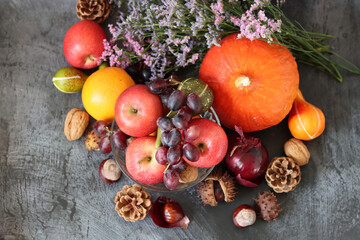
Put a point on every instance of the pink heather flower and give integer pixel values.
(179, 41)
(134, 45)
(235, 20)
(193, 58)
(218, 10)
(115, 33)
(256, 26)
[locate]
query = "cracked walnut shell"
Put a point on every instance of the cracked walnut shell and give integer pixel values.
(283, 174)
(94, 10)
(75, 124)
(133, 203)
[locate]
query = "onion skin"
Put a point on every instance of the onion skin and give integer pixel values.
(247, 158)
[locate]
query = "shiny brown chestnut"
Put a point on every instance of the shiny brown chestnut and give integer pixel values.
(244, 216)
(167, 213)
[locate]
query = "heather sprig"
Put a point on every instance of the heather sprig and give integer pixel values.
(171, 34)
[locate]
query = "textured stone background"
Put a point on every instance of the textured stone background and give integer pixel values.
(50, 187)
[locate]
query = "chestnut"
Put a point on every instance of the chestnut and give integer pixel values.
(109, 171)
(173, 212)
(167, 213)
(244, 216)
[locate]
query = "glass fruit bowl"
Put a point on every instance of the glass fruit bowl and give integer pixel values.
(119, 157)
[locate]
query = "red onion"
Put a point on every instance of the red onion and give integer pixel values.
(247, 158)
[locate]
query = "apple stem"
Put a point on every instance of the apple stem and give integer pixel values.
(147, 158)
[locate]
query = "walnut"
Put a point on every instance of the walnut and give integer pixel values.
(75, 124)
(283, 174)
(297, 150)
(210, 194)
(189, 174)
(94, 10)
(267, 206)
(133, 203)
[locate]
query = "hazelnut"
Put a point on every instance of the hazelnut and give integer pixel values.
(75, 124)
(297, 150)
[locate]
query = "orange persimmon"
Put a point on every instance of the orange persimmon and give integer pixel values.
(254, 82)
(306, 121)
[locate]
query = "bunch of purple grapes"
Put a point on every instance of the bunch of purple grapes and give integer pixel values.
(177, 136)
(119, 138)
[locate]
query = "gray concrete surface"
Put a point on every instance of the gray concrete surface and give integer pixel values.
(50, 189)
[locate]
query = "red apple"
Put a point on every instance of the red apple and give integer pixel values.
(212, 143)
(136, 111)
(83, 44)
(141, 162)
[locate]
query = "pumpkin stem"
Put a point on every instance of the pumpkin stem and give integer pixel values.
(242, 81)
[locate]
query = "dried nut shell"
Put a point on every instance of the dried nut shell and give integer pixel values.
(92, 141)
(189, 174)
(206, 188)
(75, 124)
(283, 174)
(297, 150)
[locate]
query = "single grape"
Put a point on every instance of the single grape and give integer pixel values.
(195, 85)
(165, 96)
(194, 103)
(174, 154)
(101, 127)
(133, 71)
(119, 139)
(165, 139)
(191, 133)
(191, 152)
(176, 100)
(173, 138)
(171, 179)
(180, 121)
(161, 155)
(157, 86)
(180, 166)
(146, 73)
(186, 112)
(164, 123)
(105, 145)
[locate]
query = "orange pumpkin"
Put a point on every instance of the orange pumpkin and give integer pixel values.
(254, 82)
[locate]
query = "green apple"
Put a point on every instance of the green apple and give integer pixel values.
(69, 80)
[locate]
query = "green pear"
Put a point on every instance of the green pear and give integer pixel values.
(69, 80)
